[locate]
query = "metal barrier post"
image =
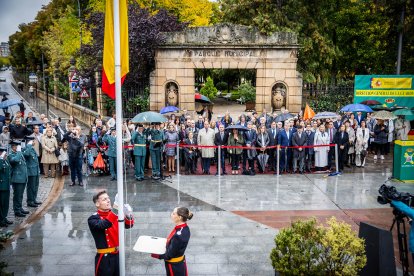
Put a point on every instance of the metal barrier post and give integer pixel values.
(277, 160)
(336, 158)
(178, 158)
(219, 160)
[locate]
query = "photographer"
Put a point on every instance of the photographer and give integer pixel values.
(76, 142)
(406, 210)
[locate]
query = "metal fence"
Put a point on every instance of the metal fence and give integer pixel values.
(315, 90)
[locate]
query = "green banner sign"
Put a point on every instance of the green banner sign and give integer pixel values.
(389, 90)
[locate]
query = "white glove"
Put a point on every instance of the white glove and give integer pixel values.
(128, 210)
(116, 202)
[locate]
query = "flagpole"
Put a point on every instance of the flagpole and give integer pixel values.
(119, 151)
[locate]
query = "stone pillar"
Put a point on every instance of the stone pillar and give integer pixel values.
(99, 100)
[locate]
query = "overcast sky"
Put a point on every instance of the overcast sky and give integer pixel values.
(15, 12)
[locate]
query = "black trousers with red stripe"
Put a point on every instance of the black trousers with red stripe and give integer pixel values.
(176, 269)
(107, 265)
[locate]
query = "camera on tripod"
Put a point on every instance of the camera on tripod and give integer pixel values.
(388, 193)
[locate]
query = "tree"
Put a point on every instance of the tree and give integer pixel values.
(209, 90)
(192, 12)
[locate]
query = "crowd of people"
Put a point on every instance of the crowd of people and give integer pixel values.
(249, 144)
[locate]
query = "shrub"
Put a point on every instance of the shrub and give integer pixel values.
(247, 91)
(308, 249)
(221, 85)
(209, 90)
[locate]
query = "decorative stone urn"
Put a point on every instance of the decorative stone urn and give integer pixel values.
(277, 99)
(171, 94)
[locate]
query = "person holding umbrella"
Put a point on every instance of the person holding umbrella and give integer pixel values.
(5, 109)
(157, 138)
(235, 140)
(139, 141)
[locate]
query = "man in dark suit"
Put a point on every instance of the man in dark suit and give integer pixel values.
(250, 138)
(200, 123)
(337, 124)
(342, 140)
(272, 132)
(309, 152)
(284, 139)
(359, 118)
(299, 139)
(331, 134)
(220, 139)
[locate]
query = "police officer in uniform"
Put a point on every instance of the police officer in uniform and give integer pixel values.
(157, 138)
(177, 241)
(5, 177)
(104, 228)
(110, 140)
(139, 140)
(18, 178)
(33, 172)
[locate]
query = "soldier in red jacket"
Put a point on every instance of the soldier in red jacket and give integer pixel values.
(104, 228)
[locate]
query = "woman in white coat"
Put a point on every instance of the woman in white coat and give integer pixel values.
(361, 144)
(321, 153)
(402, 128)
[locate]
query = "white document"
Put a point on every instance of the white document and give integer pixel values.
(148, 244)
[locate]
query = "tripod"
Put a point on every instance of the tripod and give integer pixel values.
(402, 239)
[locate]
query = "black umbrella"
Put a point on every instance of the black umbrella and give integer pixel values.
(283, 117)
(3, 93)
(238, 127)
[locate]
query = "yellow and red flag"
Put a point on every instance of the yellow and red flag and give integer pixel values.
(308, 113)
(108, 71)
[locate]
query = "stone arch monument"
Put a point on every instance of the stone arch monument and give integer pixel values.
(227, 46)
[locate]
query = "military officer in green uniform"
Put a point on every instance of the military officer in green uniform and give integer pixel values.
(110, 140)
(157, 138)
(18, 178)
(139, 140)
(5, 177)
(33, 172)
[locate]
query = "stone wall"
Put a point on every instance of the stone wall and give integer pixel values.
(81, 113)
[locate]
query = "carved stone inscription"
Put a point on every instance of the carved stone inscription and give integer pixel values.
(220, 53)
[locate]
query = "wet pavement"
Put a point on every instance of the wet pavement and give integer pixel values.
(235, 219)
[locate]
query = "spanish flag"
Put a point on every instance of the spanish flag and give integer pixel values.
(108, 74)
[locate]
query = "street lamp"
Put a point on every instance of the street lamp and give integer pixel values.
(38, 74)
(46, 76)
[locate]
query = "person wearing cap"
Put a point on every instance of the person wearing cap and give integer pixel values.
(18, 178)
(33, 172)
(139, 140)
(110, 140)
(157, 138)
(5, 177)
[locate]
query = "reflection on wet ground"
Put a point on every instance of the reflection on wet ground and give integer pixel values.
(236, 219)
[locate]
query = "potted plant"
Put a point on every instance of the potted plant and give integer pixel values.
(306, 248)
(247, 94)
